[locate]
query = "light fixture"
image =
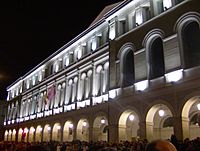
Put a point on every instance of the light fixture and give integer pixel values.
(71, 125)
(131, 117)
(40, 129)
(198, 106)
(58, 127)
(174, 76)
(84, 123)
(48, 128)
(142, 85)
(103, 121)
(33, 130)
(161, 113)
(26, 130)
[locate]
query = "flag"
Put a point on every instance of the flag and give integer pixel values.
(51, 92)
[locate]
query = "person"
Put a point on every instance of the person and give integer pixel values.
(160, 145)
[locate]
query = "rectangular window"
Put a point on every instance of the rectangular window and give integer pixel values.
(138, 17)
(112, 32)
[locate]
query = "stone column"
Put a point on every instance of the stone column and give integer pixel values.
(142, 130)
(91, 133)
(113, 133)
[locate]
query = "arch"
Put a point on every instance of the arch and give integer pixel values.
(14, 135)
(19, 139)
(6, 135)
(9, 135)
(38, 133)
(68, 131)
(153, 43)
(100, 133)
(188, 29)
(47, 133)
(82, 132)
(126, 57)
(56, 132)
(190, 108)
(128, 125)
(25, 134)
(31, 136)
(155, 119)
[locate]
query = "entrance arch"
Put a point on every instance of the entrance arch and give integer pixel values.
(20, 135)
(14, 135)
(47, 133)
(128, 125)
(83, 130)
(31, 134)
(159, 122)
(56, 132)
(38, 134)
(68, 131)
(190, 116)
(9, 135)
(100, 129)
(6, 136)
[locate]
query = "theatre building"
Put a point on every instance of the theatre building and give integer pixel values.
(133, 73)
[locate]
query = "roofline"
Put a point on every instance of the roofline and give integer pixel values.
(90, 28)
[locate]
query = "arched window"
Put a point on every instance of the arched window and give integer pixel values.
(190, 35)
(156, 58)
(127, 75)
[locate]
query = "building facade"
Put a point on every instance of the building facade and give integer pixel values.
(133, 73)
(3, 110)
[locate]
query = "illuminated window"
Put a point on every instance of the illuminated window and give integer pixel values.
(79, 53)
(56, 67)
(33, 80)
(94, 44)
(67, 61)
(112, 32)
(138, 17)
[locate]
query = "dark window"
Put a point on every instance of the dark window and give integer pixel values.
(156, 59)
(191, 45)
(128, 68)
(168, 122)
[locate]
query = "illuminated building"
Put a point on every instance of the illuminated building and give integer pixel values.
(134, 72)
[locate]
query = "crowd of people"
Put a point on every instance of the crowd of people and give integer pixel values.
(137, 145)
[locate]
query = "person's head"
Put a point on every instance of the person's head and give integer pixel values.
(160, 145)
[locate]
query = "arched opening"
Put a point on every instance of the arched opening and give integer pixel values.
(128, 126)
(100, 129)
(31, 134)
(38, 134)
(83, 130)
(191, 118)
(159, 122)
(56, 132)
(14, 135)
(156, 58)
(25, 134)
(190, 35)
(47, 133)
(68, 131)
(127, 67)
(6, 136)
(9, 135)
(20, 135)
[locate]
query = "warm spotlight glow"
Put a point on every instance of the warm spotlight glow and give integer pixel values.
(84, 123)
(198, 106)
(48, 128)
(32, 130)
(40, 129)
(71, 125)
(58, 127)
(112, 94)
(131, 117)
(103, 121)
(161, 113)
(174, 76)
(140, 86)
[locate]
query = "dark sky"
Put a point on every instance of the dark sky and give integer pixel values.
(30, 31)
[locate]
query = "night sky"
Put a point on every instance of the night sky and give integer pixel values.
(30, 31)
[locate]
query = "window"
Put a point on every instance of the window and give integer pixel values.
(156, 58)
(190, 41)
(112, 32)
(138, 17)
(94, 44)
